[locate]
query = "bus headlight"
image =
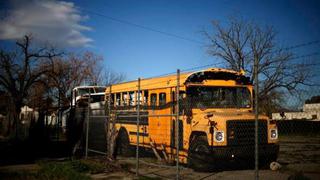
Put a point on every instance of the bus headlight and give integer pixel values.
(219, 136)
(274, 134)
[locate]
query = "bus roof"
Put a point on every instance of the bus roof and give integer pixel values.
(171, 80)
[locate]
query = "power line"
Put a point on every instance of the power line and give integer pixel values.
(305, 56)
(167, 74)
(309, 43)
(179, 36)
(302, 45)
(306, 65)
(211, 65)
(220, 63)
(144, 27)
(186, 70)
(195, 41)
(201, 67)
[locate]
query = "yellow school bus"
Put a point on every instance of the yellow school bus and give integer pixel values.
(216, 120)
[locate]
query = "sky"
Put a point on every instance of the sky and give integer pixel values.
(144, 38)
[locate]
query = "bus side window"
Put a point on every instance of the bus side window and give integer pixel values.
(118, 100)
(131, 98)
(173, 99)
(124, 98)
(162, 99)
(182, 104)
(138, 98)
(153, 100)
(112, 100)
(145, 98)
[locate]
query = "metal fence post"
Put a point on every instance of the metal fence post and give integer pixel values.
(109, 127)
(256, 112)
(138, 124)
(177, 124)
(113, 134)
(87, 127)
(109, 153)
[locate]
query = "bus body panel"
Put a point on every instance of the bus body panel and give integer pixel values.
(159, 98)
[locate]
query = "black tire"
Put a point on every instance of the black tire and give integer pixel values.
(123, 146)
(199, 154)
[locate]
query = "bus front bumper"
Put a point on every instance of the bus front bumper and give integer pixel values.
(265, 151)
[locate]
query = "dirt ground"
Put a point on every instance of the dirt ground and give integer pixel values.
(152, 172)
(299, 157)
(308, 171)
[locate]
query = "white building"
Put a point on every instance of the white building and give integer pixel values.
(27, 114)
(309, 112)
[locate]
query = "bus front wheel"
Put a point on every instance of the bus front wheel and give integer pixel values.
(199, 153)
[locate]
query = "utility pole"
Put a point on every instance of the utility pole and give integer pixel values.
(256, 113)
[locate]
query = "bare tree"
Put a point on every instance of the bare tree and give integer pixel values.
(19, 71)
(75, 70)
(110, 77)
(241, 42)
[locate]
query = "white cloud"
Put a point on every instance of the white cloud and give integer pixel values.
(57, 22)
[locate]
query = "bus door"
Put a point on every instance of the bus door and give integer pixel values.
(159, 126)
(173, 120)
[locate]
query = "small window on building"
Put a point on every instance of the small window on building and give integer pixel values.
(314, 116)
(153, 100)
(162, 99)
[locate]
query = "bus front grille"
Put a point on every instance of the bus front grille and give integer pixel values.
(242, 132)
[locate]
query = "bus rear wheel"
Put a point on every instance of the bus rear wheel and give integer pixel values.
(123, 146)
(199, 154)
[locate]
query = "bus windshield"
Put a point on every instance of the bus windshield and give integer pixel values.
(219, 97)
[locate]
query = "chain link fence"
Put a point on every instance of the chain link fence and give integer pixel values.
(206, 128)
(299, 133)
